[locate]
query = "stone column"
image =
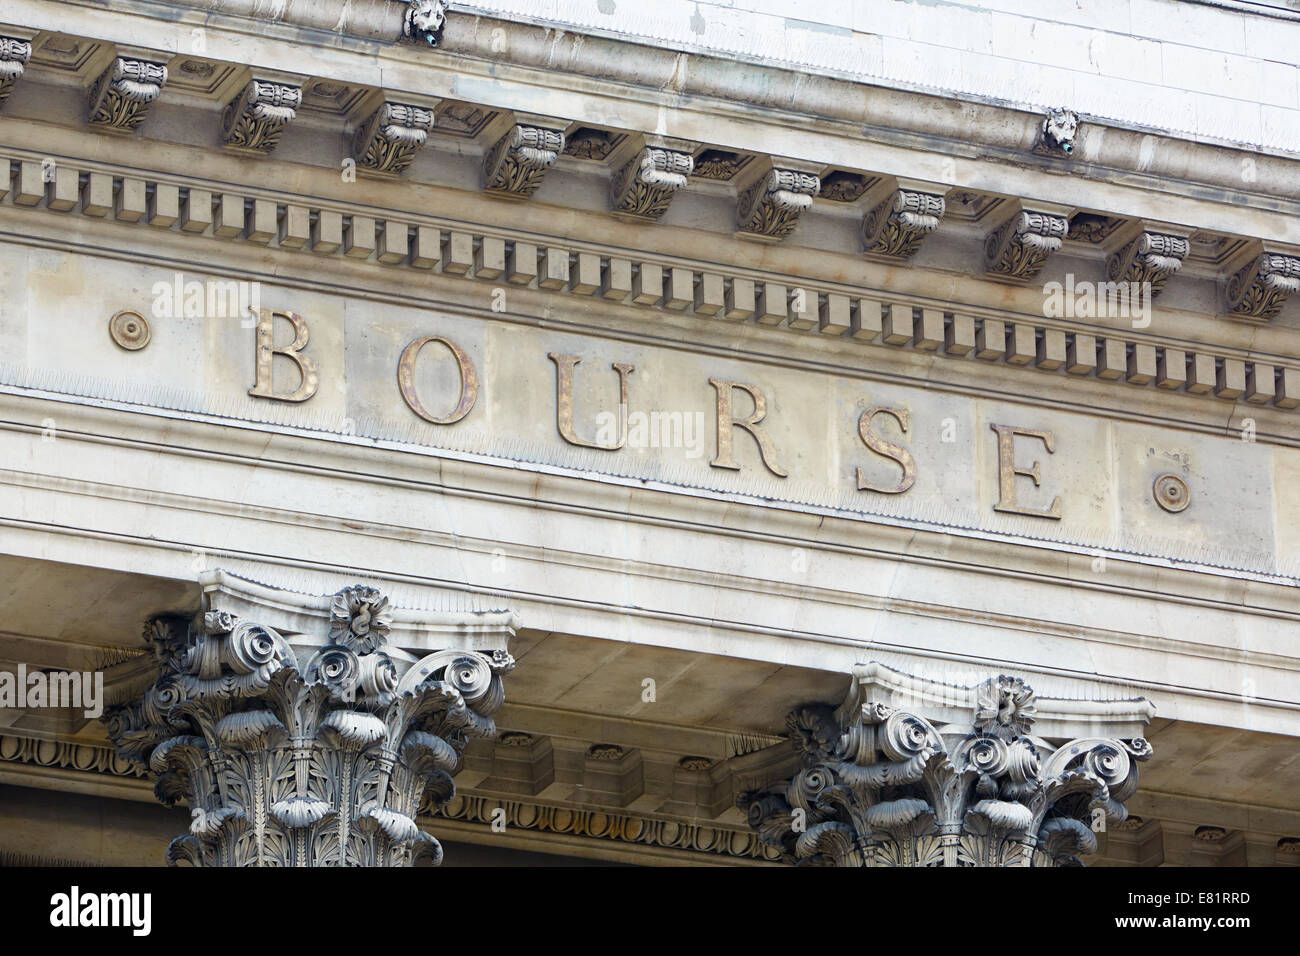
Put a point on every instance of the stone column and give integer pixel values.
(881, 785)
(312, 747)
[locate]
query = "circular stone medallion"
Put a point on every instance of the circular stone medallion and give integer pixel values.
(1171, 493)
(130, 330)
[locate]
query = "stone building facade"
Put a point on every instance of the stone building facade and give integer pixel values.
(850, 433)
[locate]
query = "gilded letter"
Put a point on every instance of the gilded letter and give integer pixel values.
(266, 352)
(1008, 470)
(564, 365)
(887, 449)
(468, 380)
(727, 421)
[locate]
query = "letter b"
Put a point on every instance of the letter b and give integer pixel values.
(266, 352)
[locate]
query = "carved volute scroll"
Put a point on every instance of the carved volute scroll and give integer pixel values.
(14, 54)
(1018, 249)
(1259, 289)
(121, 97)
(388, 140)
(305, 755)
(514, 167)
(770, 208)
(895, 226)
(648, 182)
(255, 118)
(1151, 257)
(886, 787)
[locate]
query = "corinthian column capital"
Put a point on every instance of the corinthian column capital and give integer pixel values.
(311, 747)
(971, 784)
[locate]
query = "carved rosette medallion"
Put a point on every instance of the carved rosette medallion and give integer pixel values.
(514, 167)
(645, 186)
(14, 54)
(771, 207)
(316, 757)
(388, 140)
(121, 97)
(719, 164)
(256, 117)
(884, 787)
(1019, 248)
(593, 144)
(1152, 257)
(129, 330)
(896, 226)
(1259, 289)
(424, 21)
(1090, 227)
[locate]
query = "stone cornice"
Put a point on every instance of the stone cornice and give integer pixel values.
(623, 59)
(933, 118)
(1128, 360)
(507, 52)
(1228, 228)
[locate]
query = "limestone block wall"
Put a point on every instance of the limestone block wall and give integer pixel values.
(1221, 71)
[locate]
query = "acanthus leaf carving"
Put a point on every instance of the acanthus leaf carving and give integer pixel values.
(646, 185)
(14, 54)
(896, 225)
(121, 97)
(314, 756)
(770, 208)
(1019, 248)
(514, 167)
(884, 787)
(1151, 258)
(1259, 289)
(255, 118)
(388, 140)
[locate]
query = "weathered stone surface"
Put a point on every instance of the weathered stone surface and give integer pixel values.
(388, 140)
(121, 97)
(256, 117)
(514, 167)
(646, 185)
(1258, 290)
(884, 786)
(315, 755)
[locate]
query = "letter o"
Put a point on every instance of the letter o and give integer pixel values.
(468, 380)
